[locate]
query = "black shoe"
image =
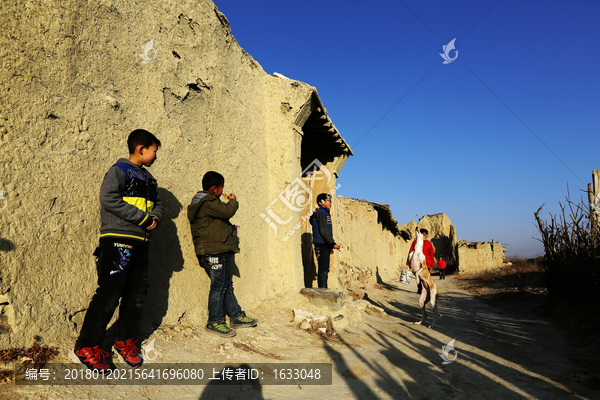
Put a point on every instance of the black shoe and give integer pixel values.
(243, 322)
(220, 328)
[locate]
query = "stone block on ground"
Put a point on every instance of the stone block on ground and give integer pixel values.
(330, 299)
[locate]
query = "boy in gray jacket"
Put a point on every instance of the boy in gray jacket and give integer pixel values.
(130, 210)
(216, 242)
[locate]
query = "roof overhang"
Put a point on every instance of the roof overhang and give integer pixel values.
(320, 134)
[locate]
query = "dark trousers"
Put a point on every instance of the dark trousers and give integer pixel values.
(323, 253)
(122, 274)
(442, 273)
(221, 299)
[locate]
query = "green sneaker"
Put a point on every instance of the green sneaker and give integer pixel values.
(243, 322)
(221, 329)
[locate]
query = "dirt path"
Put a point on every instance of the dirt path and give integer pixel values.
(506, 350)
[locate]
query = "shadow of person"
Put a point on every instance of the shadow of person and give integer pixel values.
(382, 283)
(378, 276)
(224, 389)
(308, 260)
(353, 382)
(233, 268)
(166, 258)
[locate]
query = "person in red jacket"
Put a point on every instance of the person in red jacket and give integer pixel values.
(442, 267)
(427, 251)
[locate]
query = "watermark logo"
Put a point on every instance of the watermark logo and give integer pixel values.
(297, 195)
(146, 50)
(3, 201)
(446, 54)
(446, 349)
(147, 349)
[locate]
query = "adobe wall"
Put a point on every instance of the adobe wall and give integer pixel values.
(476, 257)
(442, 235)
(73, 87)
(370, 252)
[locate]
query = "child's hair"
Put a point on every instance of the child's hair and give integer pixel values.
(143, 137)
(322, 198)
(212, 178)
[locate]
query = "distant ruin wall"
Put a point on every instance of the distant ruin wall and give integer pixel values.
(479, 256)
(442, 235)
(369, 249)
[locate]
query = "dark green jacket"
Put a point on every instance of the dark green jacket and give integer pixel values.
(211, 230)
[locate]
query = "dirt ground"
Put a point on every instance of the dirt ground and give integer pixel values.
(508, 344)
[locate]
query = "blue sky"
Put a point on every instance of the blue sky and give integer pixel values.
(486, 139)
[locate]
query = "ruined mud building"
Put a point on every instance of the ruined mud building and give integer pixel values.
(74, 84)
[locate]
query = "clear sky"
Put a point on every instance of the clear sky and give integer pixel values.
(486, 139)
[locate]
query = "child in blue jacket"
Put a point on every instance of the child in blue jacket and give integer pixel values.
(323, 237)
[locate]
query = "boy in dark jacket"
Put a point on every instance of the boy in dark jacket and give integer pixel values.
(130, 210)
(323, 237)
(216, 242)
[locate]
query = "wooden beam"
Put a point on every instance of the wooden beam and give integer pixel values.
(315, 127)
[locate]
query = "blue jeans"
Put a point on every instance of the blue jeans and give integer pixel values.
(323, 253)
(221, 299)
(442, 273)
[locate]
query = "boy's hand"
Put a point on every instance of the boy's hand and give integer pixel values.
(336, 246)
(154, 224)
(231, 196)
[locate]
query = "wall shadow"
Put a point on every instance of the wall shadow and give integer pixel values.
(166, 258)
(308, 260)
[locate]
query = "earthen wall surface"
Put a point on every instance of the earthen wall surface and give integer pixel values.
(73, 85)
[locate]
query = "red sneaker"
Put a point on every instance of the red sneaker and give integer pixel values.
(129, 352)
(93, 358)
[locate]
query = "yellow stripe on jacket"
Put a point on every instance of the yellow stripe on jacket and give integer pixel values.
(141, 203)
(121, 235)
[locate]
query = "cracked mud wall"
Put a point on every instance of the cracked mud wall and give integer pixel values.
(73, 85)
(442, 235)
(369, 251)
(373, 251)
(476, 257)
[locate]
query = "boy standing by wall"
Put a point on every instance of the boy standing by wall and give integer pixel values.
(130, 210)
(323, 237)
(216, 242)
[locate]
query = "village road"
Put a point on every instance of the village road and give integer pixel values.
(500, 352)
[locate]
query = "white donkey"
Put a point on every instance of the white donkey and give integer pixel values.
(418, 266)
